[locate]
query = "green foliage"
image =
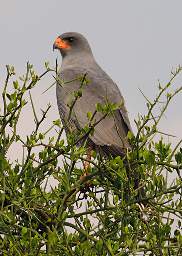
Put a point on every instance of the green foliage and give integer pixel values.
(103, 213)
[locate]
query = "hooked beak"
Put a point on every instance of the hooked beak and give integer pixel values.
(60, 44)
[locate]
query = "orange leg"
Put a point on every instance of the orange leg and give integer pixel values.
(86, 163)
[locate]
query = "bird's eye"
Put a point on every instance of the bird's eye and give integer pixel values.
(70, 39)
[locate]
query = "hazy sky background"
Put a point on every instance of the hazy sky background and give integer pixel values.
(135, 42)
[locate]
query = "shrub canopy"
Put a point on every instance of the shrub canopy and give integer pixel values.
(103, 213)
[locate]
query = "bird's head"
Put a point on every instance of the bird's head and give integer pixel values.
(71, 43)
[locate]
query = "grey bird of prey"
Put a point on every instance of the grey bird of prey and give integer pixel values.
(110, 134)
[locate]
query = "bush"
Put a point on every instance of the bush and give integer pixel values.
(91, 215)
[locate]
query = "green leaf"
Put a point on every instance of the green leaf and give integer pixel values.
(89, 115)
(16, 84)
(178, 158)
(24, 231)
(52, 238)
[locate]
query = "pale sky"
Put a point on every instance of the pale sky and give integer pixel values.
(135, 42)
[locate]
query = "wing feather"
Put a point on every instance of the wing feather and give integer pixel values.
(111, 131)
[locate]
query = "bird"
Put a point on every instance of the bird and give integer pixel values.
(109, 136)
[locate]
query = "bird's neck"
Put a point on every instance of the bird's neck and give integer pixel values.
(80, 59)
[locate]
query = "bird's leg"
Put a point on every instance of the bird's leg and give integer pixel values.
(86, 163)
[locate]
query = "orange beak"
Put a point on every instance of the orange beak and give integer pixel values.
(60, 44)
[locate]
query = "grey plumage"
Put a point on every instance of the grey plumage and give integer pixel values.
(110, 135)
